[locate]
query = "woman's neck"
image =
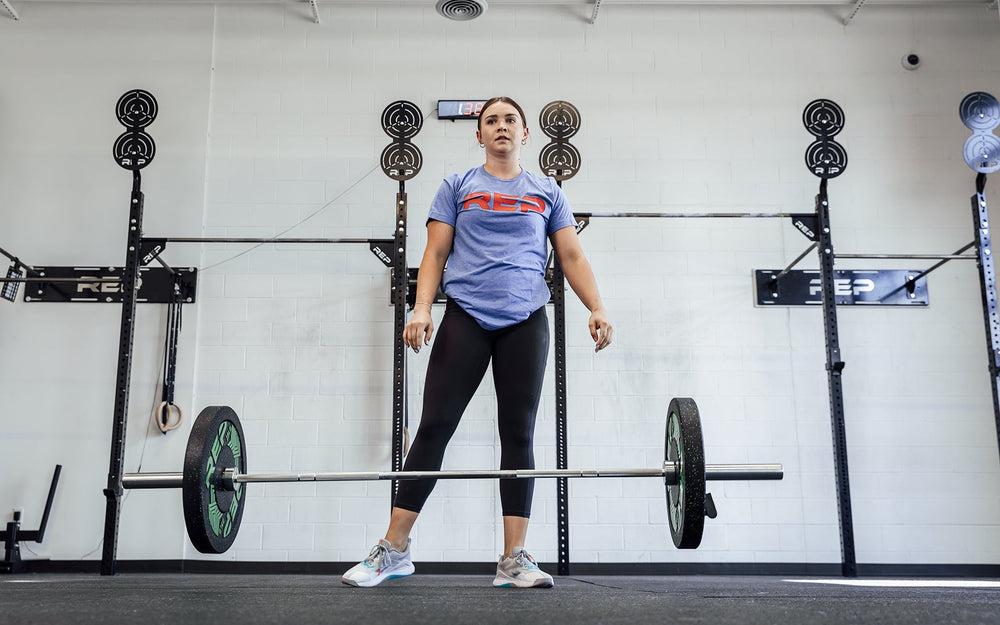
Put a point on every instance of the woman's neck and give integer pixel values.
(505, 169)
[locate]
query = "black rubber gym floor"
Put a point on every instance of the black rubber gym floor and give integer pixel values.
(77, 599)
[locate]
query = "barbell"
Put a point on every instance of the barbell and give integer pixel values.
(215, 465)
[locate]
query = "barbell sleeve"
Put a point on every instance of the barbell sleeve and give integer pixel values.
(152, 480)
(743, 472)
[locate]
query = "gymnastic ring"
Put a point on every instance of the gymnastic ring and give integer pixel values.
(169, 425)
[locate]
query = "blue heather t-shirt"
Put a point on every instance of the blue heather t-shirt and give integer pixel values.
(496, 270)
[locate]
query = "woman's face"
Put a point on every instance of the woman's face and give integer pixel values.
(501, 129)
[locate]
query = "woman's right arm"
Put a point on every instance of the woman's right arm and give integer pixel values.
(420, 327)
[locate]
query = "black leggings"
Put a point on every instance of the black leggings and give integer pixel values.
(461, 352)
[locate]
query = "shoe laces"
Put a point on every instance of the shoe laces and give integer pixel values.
(525, 560)
(377, 556)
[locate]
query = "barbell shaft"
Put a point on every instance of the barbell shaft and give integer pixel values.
(716, 472)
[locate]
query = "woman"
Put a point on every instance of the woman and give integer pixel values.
(490, 225)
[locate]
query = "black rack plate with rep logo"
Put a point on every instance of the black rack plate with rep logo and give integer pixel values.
(872, 287)
(156, 285)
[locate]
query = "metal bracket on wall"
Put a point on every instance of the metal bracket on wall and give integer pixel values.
(854, 11)
(103, 285)
(881, 287)
(10, 10)
(597, 7)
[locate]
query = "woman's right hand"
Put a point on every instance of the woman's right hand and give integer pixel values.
(419, 328)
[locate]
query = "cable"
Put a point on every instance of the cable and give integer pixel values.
(300, 222)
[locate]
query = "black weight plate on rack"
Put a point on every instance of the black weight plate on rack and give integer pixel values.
(686, 498)
(559, 160)
(136, 109)
(402, 119)
(826, 159)
(559, 120)
(823, 118)
(134, 149)
(401, 160)
(979, 111)
(982, 152)
(213, 514)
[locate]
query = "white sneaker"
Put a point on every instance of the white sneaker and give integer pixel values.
(519, 570)
(382, 563)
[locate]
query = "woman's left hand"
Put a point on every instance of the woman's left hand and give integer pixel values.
(600, 328)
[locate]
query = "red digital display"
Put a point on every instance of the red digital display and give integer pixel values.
(460, 109)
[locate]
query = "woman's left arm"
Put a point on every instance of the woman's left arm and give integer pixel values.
(581, 279)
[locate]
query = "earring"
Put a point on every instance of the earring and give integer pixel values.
(524, 142)
(482, 145)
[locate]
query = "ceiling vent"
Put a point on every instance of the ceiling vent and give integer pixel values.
(461, 10)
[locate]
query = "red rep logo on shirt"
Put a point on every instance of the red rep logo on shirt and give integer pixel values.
(501, 202)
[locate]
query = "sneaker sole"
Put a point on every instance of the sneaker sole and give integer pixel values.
(509, 583)
(378, 580)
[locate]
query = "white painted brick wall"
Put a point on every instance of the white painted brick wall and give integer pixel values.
(267, 119)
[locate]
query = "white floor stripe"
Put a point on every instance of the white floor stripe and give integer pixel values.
(902, 583)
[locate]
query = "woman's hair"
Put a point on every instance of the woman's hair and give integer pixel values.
(492, 101)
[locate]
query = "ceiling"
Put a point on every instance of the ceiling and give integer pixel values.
(851, 7)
